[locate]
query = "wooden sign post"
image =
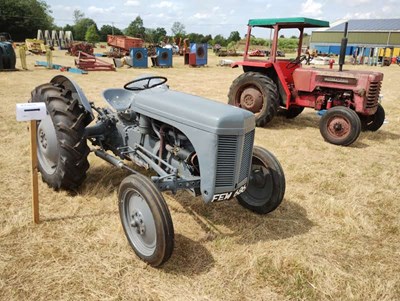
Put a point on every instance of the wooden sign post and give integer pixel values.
(33, 112)
(34, 173)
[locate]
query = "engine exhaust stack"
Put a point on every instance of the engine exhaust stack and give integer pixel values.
(343, 47)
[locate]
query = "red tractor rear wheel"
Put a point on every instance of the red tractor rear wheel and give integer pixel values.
(340, 126)
(257, 93)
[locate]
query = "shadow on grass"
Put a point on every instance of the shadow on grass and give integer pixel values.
(288, 220)
(304, 120)
(189, 258)
(79, 216)
(382, 135)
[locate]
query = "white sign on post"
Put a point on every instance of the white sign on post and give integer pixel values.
(31, 111)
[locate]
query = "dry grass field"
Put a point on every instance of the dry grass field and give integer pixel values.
(336, 235)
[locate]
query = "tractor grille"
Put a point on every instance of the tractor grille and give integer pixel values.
(226, 159)
(246, 155)
(233, 159)
(373, 94)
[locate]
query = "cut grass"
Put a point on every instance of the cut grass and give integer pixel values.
(335, 236)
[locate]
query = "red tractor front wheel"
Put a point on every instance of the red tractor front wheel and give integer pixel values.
(340, 126)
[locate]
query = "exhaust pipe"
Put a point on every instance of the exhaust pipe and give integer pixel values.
(343, 47)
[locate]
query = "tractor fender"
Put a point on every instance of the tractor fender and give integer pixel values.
(74, 87)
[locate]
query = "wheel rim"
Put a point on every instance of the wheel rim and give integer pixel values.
(48, 147)
(261, 183)
(139, 223)
(250, 98)
(338, 127)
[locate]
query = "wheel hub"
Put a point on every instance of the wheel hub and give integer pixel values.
(48, 145)
(251, 99)
(339, 127)
(138, 223)
(257, 178)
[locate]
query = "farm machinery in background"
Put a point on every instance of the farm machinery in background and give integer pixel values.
(7, 53)
(121, 45)
(59, 40)
(350, 98)
(77, 47)
(189, 142)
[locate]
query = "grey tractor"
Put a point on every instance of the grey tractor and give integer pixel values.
(189, 142)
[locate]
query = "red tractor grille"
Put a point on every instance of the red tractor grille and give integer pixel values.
(373, 94)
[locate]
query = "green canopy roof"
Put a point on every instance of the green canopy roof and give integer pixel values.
(288, 22)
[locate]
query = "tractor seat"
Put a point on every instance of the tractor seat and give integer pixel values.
(119, 99)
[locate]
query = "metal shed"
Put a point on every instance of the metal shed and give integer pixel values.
(373, 41)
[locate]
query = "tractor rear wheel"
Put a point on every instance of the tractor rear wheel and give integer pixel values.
(267, 184)
(340, 126)
(257, 93)
(61, 145)
(374, 122)
(146, 219)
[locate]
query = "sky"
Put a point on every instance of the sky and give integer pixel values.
(216, 17)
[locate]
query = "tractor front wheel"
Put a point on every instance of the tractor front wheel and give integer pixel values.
(340, 126)
(61, 144)
(374, 122)
(146, 219)
(267, 184)
(257, 93)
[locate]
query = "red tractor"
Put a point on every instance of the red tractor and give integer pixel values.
(350, 98)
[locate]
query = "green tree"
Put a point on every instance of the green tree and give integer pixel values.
(195, 37)
(136, 28)
(23, 18)
(155, 35)
(81, 28)
(234, 36)
(92, 35)
(108, 29)
(219, 39)
(178, 29)
(78, 15)
(288, 44)
(206, 39)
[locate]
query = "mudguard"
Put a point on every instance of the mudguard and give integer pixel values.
(74, 87)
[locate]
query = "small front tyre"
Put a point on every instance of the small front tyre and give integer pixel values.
(340, 126)
(266, 187)
(146, 219)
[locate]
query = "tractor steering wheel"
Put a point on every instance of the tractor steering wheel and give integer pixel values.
(293, 63)
(162, 80)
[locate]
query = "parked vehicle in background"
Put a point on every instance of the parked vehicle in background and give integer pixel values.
(350, 98)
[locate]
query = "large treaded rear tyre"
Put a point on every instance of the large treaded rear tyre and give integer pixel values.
(257, 93)
(61, 144)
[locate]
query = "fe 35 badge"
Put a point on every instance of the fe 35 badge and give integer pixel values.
(228, 195)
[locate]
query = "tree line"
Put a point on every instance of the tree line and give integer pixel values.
(23, 18)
